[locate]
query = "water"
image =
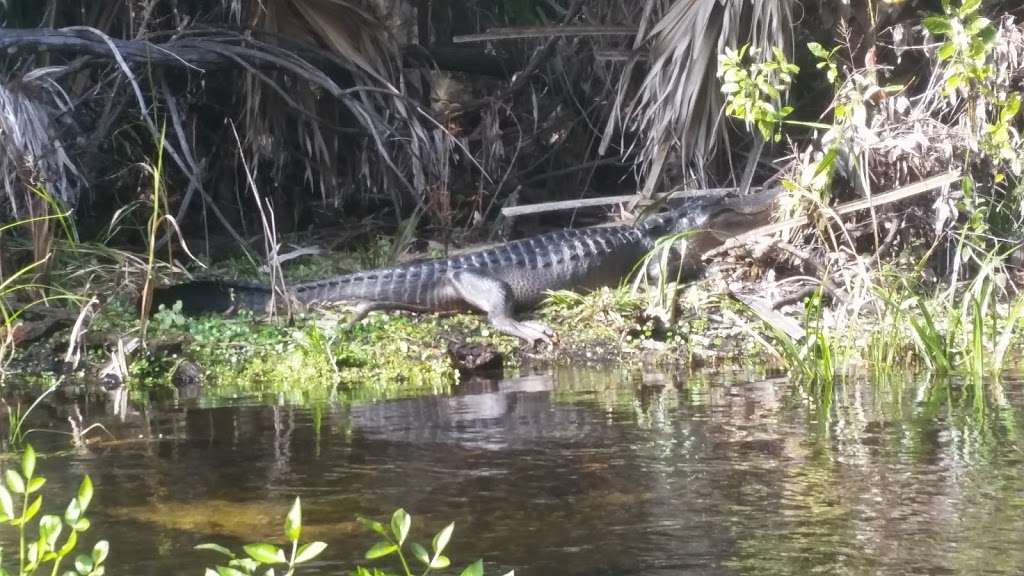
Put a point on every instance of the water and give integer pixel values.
(580, 472)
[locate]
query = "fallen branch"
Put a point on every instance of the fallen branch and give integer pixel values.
(544, 207)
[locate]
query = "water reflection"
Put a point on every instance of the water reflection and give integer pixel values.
(584, 472)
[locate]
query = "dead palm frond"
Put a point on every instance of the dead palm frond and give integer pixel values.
(31, 153)
(676, 112)
(361, 38)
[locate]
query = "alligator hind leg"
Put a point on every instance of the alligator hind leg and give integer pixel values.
(494, 297)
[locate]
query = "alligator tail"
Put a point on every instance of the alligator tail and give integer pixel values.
(211, 296)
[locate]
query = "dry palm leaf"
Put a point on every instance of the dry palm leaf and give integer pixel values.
(678, 106)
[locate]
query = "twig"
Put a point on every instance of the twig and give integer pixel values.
(72, 356)
(270, 242)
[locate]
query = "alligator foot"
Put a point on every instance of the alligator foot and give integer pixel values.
(494, 298)
(531, 332)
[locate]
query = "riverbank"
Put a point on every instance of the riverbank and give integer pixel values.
(738, 314)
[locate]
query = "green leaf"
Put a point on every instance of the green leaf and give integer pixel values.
(215, 548)
(69, 545)
(14, 482)
(226, 571)
(442, 538)
(33, 509)
(6, 503)
(380, 550)
(978, 25)
(210, 572)
(73, 512)
(732, 75)
(953, 82)
(309, 551)
(83, 563)
(817, 50)
(35, 484)
(988, 35)
(1011, 109)
(969, 7)
(82, 525)
(372, 525)
(49, 530)
(401, 521)
(730, 88)
(28, 461)
(420, 553)
(937, 25)
(100, 551)
(293, 522)
(85, 493)
(474, 569)
(248, 565)
(946, 51)
(440, 563)
(265, 553)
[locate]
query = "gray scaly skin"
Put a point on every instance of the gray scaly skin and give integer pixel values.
(495, 281)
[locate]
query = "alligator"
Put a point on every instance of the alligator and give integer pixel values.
(499, 280)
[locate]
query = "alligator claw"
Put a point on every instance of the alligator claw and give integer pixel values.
(532, 332)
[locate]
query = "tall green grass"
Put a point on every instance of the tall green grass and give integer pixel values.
(21, 289)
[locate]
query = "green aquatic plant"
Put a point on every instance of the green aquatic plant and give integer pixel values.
(815, 353)
(265, 559)
(16, 417)
(395, 542)
(261, 558)
(46, 553)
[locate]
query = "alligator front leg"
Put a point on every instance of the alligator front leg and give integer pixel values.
(494, 298)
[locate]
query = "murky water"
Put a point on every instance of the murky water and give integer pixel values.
(582, 473)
